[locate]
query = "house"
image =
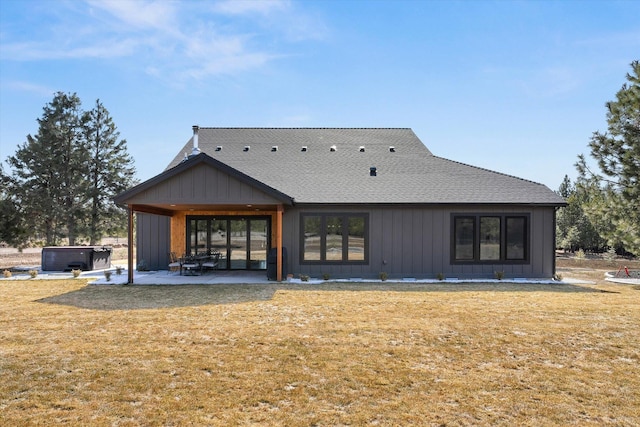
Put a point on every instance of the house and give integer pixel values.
(342, 202)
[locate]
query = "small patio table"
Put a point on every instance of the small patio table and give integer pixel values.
(192, 263)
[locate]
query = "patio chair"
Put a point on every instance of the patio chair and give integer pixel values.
(174, 262)
(212, 262)
(190, 264)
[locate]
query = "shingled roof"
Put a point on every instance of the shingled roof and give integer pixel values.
(329, 165)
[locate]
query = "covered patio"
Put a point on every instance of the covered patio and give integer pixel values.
(200, 206)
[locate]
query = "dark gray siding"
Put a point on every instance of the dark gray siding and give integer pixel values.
(202, 184)
(416, 242)
(403, 242)
(152, 240)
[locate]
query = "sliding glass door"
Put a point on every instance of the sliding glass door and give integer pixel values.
(259, 244)
(243, 242)
(238, 244)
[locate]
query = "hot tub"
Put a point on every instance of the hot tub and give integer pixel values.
(67, 258)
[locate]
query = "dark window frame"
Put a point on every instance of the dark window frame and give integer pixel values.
(504, 218)
(227, 219)
(345, 216)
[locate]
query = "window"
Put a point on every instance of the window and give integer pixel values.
(464, 232)
(516, 238)
(334, 238)
(490, 238)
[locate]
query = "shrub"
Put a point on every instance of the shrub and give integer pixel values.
(6, 273)
(107, 275)
(142, 266)
(498, 275)
(304, 277)
(33, 273)
(580, 254)
(118, 270)
(440, 276)
(325, 276)
(383, 276)
(76, 273)
(610, 255)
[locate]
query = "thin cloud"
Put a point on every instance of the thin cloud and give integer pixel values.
(28, 87)
(243, 7)
(140, 14)
(42, 51)
(166, 39)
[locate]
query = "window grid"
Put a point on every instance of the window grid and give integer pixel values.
(334, 238)
(490, 238)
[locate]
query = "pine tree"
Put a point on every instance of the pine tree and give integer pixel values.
(65, 177)
(12, 230)
(49, 171)
(111, 171)
(615, 191)
(574, 230)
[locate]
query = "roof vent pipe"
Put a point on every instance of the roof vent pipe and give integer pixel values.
(195, 150)
(373, 171)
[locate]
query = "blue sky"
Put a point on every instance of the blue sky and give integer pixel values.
(513, 86)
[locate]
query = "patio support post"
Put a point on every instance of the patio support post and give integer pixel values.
(279, 243)
(130, 247)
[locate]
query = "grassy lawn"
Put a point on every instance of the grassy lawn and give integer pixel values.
(319, 355)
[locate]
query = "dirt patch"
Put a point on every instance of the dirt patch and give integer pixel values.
(595, 262)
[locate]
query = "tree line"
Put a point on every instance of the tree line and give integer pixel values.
(63, 179)
(603, 204)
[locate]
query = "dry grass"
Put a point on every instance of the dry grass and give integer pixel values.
(319, 355)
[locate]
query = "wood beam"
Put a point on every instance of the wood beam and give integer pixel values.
(152, 210)
(130, 247)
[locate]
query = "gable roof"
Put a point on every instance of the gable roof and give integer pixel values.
(336, 163)
(141, 190)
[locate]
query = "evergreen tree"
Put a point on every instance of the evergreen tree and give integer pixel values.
(12, 229)
(614, 193)
(574, 230)
(65, 177)
(49, 171)
(111, 171)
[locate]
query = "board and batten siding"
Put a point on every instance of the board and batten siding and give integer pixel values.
(415, 242)
(202, 184)
(152, 240)
(404, 242)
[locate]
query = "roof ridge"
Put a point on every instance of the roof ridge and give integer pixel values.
(304, 128)
(489, 170)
